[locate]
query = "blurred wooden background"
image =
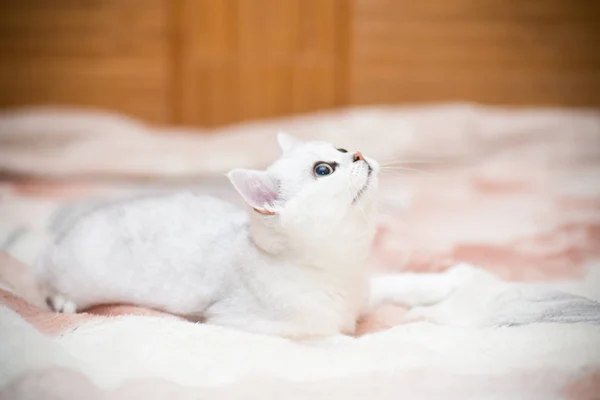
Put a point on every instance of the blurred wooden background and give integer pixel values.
(213, 62)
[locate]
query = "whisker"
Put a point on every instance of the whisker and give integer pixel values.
(429, 160)
(386, 164)
(397, 168)
(366, 192)
(437, 163)
(358, 202)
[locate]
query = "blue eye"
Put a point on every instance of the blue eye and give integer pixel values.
(323, 169)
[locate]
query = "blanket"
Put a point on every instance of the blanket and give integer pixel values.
(515, 193)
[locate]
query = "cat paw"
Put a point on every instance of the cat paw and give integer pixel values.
(61, 304)
(468, 303)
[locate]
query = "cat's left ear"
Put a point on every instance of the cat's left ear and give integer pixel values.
(257, 188)
(287, 142)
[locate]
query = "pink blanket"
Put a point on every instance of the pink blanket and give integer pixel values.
(515, 192)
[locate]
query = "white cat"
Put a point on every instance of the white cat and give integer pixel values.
(293, 266)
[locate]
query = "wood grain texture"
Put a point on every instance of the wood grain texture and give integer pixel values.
(111, 54)
(248, 59)
(215, 62)
(489, 51)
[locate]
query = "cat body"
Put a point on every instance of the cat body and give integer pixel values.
(291, 265)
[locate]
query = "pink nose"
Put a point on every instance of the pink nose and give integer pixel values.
(358, 157)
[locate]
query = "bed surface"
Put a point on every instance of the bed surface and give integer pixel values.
(514, 192)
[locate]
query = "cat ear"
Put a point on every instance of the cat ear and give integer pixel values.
(287, 142)
(257, 188)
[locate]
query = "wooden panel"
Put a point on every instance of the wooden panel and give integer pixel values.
(490, 51)
(248, 59)
(111, 54)
(213, 62)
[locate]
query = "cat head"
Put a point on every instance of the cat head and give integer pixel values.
(310, 179)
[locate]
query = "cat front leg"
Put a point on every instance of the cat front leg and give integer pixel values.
(417, 289)
(61, 304)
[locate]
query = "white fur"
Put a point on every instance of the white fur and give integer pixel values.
(483, 300)
(296, 266)
(419, 290)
